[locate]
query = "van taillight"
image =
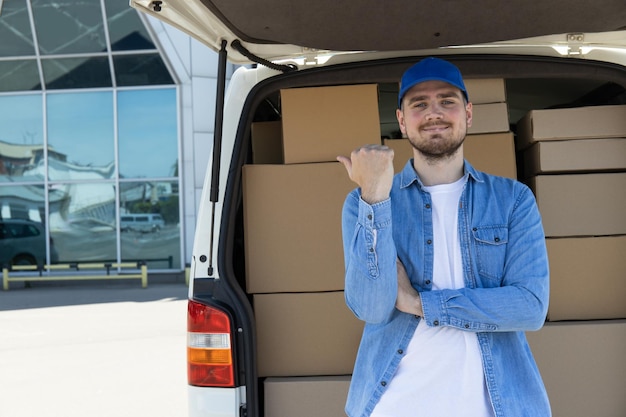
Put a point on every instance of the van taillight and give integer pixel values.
(209, 348)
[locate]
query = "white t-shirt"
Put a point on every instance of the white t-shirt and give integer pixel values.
(441, 374)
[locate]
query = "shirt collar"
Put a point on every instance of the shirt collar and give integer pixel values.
(408, 175)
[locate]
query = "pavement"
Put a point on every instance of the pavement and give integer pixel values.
(98, 349)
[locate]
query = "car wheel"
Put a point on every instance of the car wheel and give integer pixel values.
(24, 260)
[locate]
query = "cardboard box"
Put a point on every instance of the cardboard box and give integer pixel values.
(572, 123)
(487, 90)
(292, 226)
(567, 156)
(587, 278)
(320, 123)
(493, 153)
(306, 396)
(267, 142)
(583, 367)
(489, 118)
(305, 334)
(581, 204)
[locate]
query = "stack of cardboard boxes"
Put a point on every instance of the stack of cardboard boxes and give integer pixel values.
(572, 161)
(489, 145)
(293, 196)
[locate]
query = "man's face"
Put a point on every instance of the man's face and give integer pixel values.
(435, 118)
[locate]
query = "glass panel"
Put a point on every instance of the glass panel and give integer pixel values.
(69, 27)
(82, 222)
(145, 69)
(148, 133)
(69, 73)
(126, 30)
(15, 31)
(149, 221)
(80, 136)
(21, 138)
(19, 75)
(22, 228)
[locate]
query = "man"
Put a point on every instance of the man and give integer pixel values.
(446, 265)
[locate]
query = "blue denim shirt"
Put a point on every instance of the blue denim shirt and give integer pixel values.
(506, 285)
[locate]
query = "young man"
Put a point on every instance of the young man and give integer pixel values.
(446, 265)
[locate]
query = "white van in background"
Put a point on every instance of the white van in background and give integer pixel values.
(264, 341)
(141, 222)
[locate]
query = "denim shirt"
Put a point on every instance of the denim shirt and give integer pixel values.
(506, 290)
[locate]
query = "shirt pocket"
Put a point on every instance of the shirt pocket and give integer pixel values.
(491, 245)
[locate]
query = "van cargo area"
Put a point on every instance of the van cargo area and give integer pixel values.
(282, 225)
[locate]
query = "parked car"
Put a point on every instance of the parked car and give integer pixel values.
(247, 333)
(23, 242)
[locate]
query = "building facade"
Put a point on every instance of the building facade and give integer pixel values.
(106, 130)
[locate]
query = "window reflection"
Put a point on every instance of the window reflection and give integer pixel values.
(148, 135)
(144, 69)
(69, 73)
(126, 30)
(80, 136)
(21, 138)
(69, 26)
(19, 75)
(149, 221)
(15, 31)
(82, 225)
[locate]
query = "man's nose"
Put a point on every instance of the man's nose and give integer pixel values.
(434, 112)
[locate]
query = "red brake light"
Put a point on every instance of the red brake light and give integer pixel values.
(209, 347)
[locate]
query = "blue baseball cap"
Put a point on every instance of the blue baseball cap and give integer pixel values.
(431, 69)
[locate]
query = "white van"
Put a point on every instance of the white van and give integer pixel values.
(265, 341)
(141, 222)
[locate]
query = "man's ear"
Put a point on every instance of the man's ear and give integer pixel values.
(469, 110)
(400, 117)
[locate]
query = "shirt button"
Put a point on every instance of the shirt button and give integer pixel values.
(400, 351)
(369, 217)
(497, 239)
(429, 241)
(467, 326)
(436, 322)
(383, 383)
(427, 282)
(427, 206)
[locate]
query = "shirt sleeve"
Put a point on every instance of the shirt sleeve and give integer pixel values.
(520, 303)
(370, 259)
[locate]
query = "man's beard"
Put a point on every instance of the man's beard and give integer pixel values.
(436, 149)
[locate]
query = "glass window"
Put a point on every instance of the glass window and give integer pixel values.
(69, 73)
(148, 133)
(126, 31)
(69, 26)
(144, 69)
(82, 222)
(80, 136)
(21, 138)
(149, 221)
(19, 75)
(15, 31)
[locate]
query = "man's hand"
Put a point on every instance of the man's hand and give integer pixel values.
(408, 300)
(371, 167)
